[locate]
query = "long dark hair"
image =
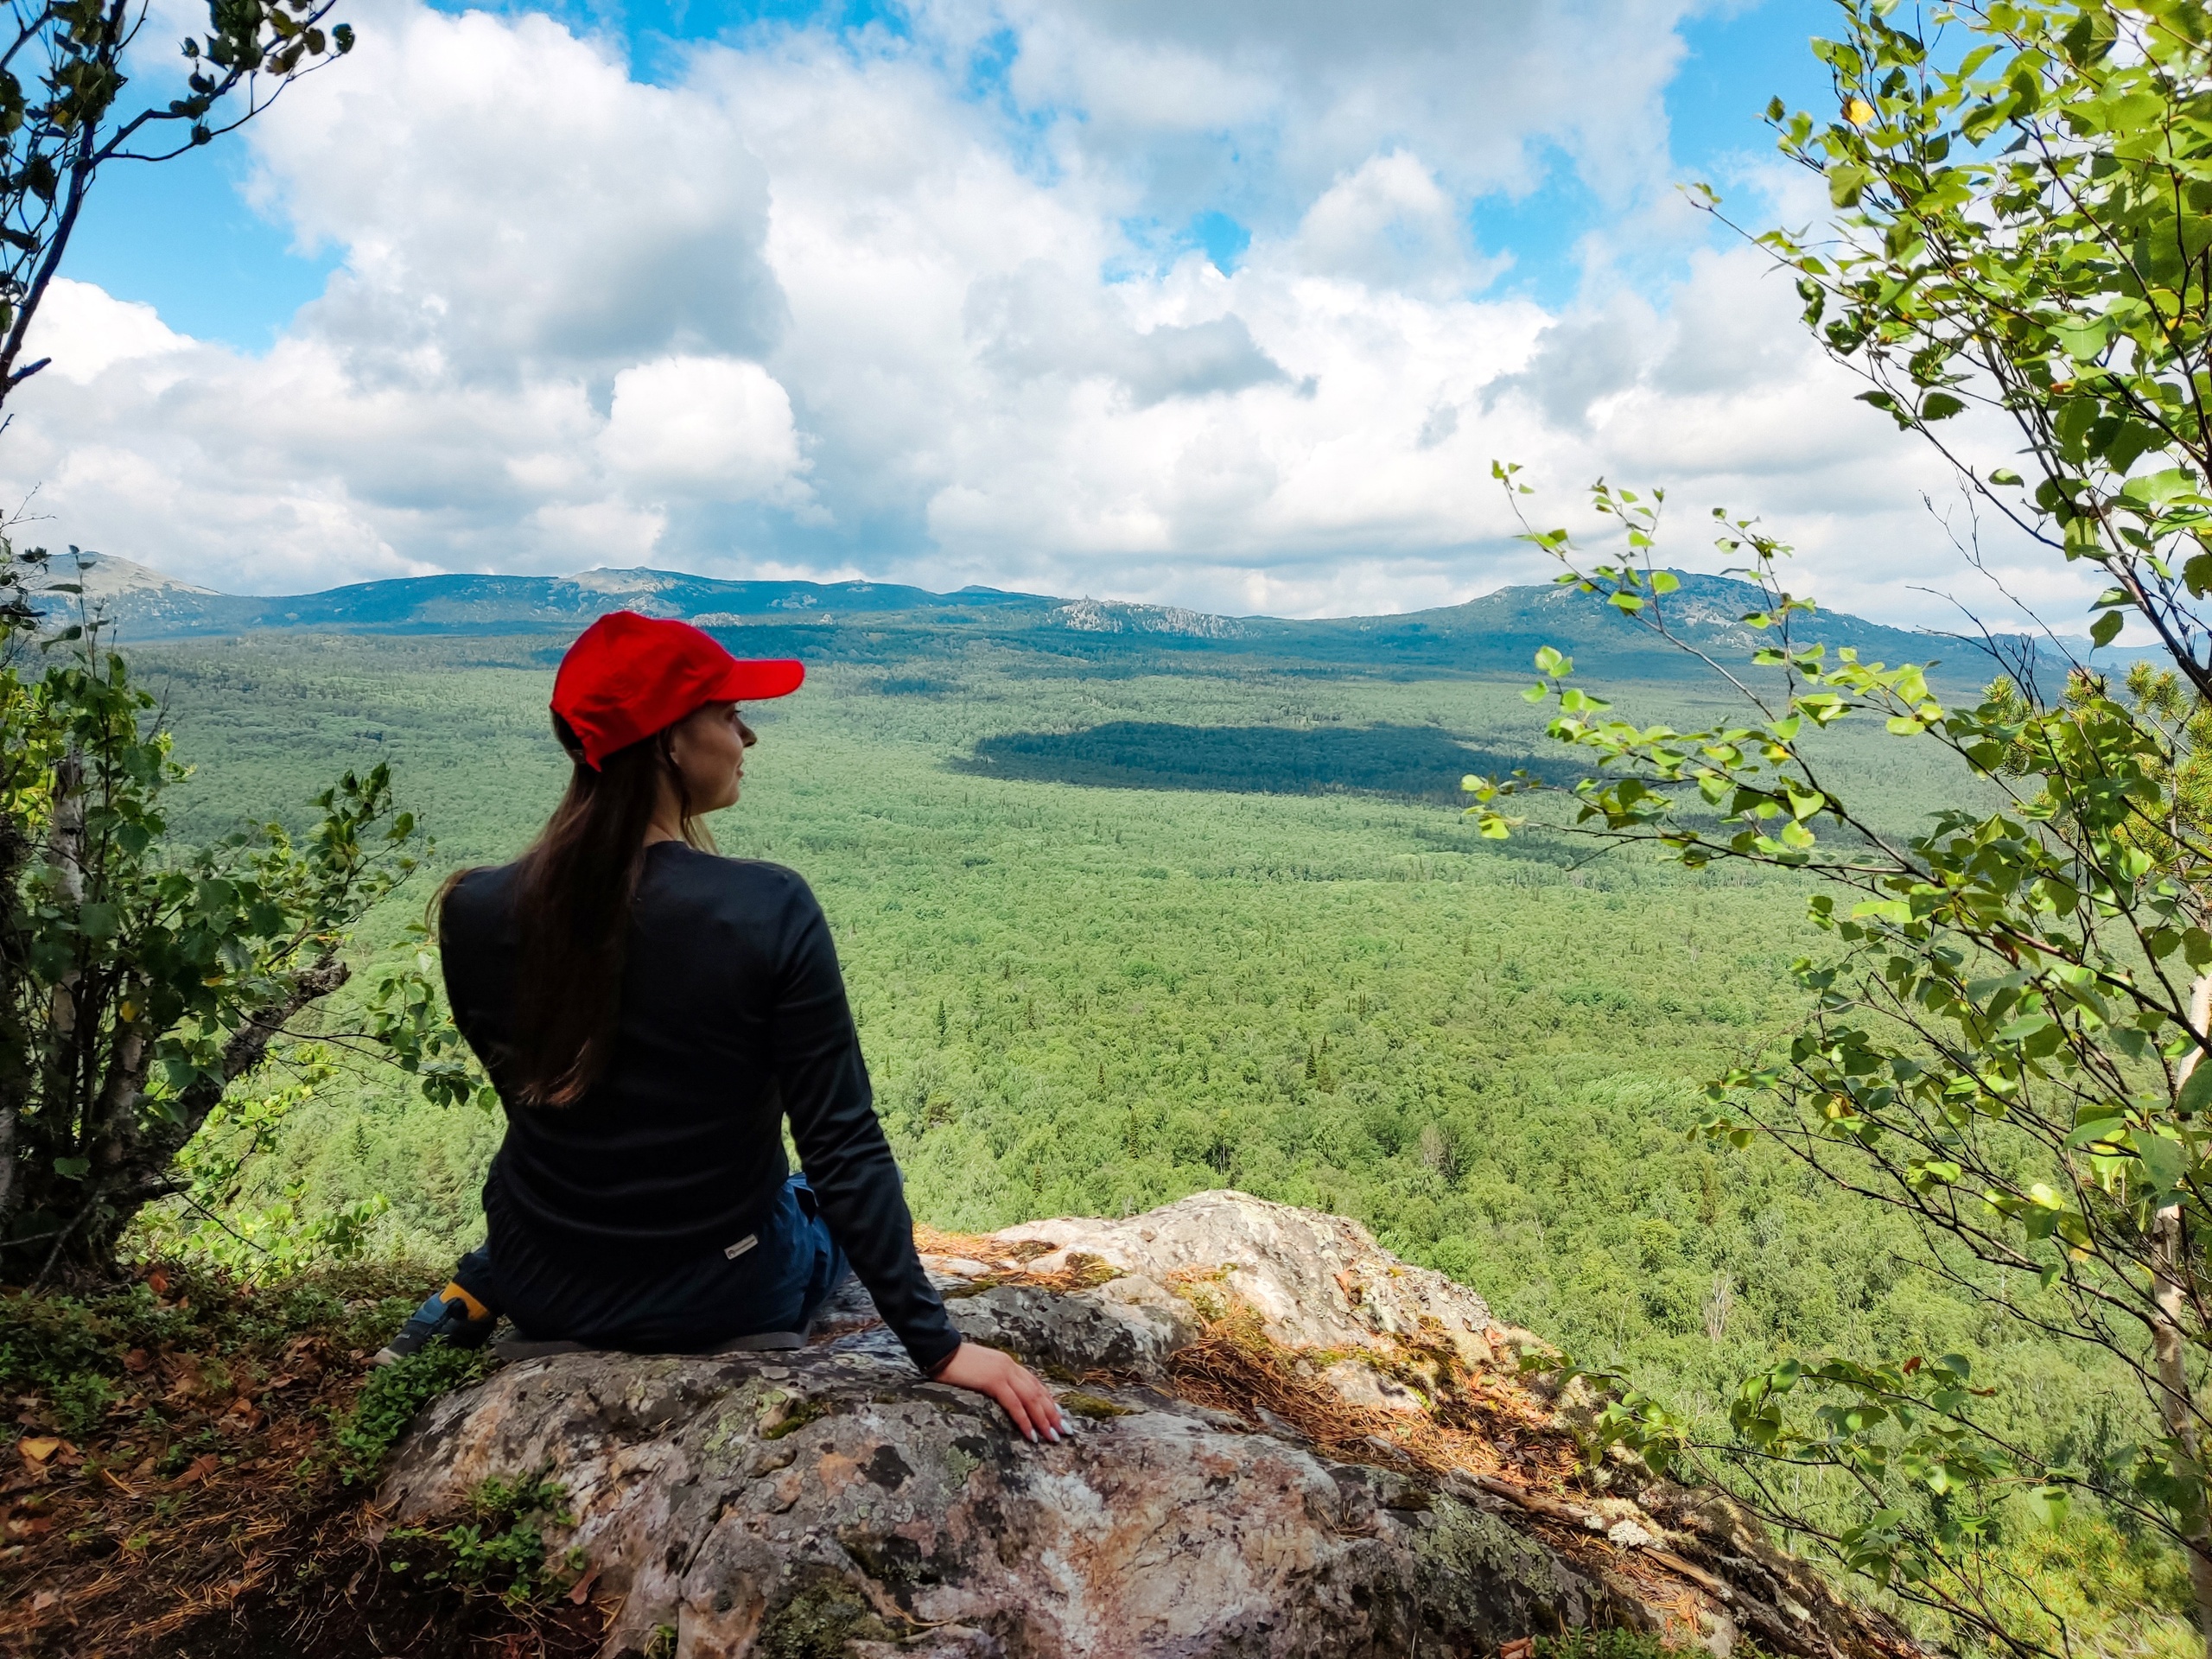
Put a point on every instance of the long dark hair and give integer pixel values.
(572, 897)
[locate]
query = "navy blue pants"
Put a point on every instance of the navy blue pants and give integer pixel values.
(778, 1284)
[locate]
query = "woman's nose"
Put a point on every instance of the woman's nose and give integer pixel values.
(746, 732)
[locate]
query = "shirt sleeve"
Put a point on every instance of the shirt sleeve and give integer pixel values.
(842, 1146)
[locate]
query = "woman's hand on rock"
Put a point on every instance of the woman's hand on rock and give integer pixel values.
(1014, 1385)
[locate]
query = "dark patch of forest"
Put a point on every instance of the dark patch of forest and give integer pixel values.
(1413, 762)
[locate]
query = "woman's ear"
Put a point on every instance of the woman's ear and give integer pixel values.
(666, 742)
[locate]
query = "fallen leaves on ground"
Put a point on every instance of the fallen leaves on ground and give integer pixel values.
(200, 1516)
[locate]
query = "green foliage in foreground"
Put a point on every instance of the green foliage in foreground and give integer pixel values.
(2002, 1053)
(139, 977)
(500, 1549)
(52, 1345)
(1619, 1644)
(2003, 1043)
(390, 1398)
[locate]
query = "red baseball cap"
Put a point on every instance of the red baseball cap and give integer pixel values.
(628, 677)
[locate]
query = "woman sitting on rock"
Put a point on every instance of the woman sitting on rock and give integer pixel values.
(651, 1013)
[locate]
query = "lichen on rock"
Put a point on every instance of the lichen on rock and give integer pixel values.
(1289, 1443)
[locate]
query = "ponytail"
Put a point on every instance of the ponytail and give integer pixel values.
(573, 892)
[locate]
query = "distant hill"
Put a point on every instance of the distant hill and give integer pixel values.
(885, 621)
(147, 605)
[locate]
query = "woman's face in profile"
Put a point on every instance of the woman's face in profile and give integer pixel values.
(709, 747)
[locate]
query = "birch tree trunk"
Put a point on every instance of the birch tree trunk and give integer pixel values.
(2175, 1295)
(15, 1045)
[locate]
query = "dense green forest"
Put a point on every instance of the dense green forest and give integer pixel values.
(1313, 981)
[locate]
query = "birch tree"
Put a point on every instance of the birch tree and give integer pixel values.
(140, 979)
(2005, 1048)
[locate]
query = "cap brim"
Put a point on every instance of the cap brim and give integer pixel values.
(752, 679)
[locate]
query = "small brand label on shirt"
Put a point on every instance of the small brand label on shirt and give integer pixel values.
(742, 1246)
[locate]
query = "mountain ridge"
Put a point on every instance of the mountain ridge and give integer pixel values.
(1496, 632)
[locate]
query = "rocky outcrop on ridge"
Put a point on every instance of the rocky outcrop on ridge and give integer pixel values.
(1291, 1444)
(1126, 616)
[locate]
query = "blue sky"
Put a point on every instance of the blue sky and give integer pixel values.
(183, 238)
(1228, 306)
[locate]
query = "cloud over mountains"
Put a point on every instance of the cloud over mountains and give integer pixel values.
(926, 303)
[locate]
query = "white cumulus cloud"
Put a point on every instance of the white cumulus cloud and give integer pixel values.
(715, 427)
(82, 332)
(828, 303)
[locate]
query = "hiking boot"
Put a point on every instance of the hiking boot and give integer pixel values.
(452, 1316)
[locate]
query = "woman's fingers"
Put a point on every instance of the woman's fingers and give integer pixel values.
(1044, 1409)
(1000, 1382)
(1024, 1398)
(1038, 1406)
(1007, 1393)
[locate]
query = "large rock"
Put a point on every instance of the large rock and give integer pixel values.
(829, 1500)
(1315, 1281)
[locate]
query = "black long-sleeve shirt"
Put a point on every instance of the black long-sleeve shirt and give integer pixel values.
(733, 1016)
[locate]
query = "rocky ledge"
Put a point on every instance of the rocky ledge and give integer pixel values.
(1292, 1444)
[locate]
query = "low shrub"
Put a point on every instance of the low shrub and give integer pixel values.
(390, 1398)
(500, 1549)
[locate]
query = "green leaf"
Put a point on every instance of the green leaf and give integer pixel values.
(2166, 1163)
(1940, 406)
(2161, 488)
(2084, 341)
(72, 1169)
(2101, 1128)
(2195, 1092)
(2105, 628)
